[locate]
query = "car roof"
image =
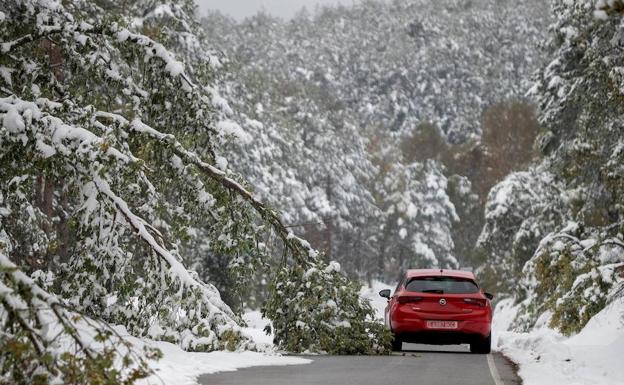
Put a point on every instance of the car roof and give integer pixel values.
(412, 273)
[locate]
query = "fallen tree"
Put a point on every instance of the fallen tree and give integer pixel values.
(109, 176)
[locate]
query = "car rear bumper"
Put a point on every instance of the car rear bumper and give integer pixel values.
(417, 328)
(440, 337)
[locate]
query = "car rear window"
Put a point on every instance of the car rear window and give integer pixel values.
(442, 285)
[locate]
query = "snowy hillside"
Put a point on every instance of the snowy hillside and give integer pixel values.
(162, 172)
(374, 126)
(545, 356)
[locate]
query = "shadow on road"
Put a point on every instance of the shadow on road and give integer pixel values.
(443, 349)
(430, 351)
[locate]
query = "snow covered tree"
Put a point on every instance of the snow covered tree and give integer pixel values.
(418, 216)
(319, 310)
(520, 211)
(110, 176)
(335, 88)
(466, 229)
(575, 268)
(304, 153)
(580, 98)
(574, 274)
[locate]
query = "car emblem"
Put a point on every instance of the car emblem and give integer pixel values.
(443, 302)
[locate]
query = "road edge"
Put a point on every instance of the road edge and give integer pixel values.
(505, 368)
(494, 371)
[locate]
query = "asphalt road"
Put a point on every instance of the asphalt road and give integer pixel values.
(416, 365)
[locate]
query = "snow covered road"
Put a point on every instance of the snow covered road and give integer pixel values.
(418, 364)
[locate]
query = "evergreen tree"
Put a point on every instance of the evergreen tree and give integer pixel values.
(111, 178)
(572, 235)
(346, 84)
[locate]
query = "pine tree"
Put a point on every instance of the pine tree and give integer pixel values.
(111, 176)
(571, 238)
(345, 84)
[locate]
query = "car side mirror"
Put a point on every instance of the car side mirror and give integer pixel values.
(489, 296)
(385, 293)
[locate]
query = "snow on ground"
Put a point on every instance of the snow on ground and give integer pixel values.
(592, 357)
(255, 329)
(372, 294)
(178, 367)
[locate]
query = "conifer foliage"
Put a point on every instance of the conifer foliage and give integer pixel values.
(110, 177)
(363, 115)
(572, 226)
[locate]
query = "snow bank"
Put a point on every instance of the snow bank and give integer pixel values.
(255, 329)
(594, 356)
(372, 294)
(178, 367)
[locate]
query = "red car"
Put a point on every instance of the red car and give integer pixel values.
(440, 307)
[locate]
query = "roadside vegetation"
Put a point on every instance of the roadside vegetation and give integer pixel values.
(161, 173)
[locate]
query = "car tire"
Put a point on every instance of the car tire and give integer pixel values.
(482, 346)
(397, 344)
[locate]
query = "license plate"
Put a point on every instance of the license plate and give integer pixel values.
(442, 324)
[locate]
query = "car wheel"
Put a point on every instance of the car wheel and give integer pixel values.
(482, 346)
(397, 344)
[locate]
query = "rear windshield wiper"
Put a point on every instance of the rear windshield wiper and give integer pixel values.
(437, 291)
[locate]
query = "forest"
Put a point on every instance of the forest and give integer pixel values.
(163, 172)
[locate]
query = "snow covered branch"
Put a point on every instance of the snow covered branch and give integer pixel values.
(43, 318)
(111, 188)
(299, 248)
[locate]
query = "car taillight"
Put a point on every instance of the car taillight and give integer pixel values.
(409, 299)
(475, 301)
